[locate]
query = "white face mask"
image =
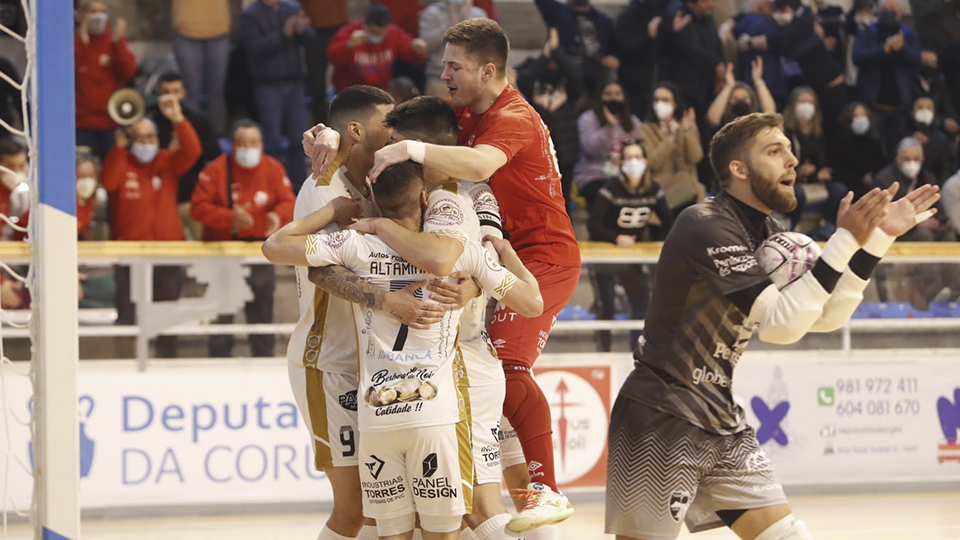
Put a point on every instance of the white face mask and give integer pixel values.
(634, 168)
(663, 110)
(12, 180)
(783, 19)
(20, 200)
(145, 153)
(86, 187)
(910, 169)
(248, 158)
(924, 116)
(96, 23)
(860, 125)
(375, 40)
(805, 111)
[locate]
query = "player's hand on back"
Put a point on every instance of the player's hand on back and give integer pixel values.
(916, 207)
(387, 156)
(366, 225)
(404, 306)
(345, 211)
(863, 216)
(453, 295)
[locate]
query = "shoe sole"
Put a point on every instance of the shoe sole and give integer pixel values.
(520, 524)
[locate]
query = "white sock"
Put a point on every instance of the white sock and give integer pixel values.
(547, 532)
(417, 534)
(467, 534)
(327, 534)
(494, 528)
(368, 532)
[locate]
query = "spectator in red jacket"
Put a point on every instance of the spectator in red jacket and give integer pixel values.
(245, 195)
(104, 64)
(363, 52)
(87, 172)
(142, 182)
(13, 169)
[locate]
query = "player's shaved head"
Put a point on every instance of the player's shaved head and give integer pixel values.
(355, 104)
(397, 190)
(483, 39)
(425, 118)
(734, 140)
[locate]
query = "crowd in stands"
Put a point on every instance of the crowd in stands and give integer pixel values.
(867, 98)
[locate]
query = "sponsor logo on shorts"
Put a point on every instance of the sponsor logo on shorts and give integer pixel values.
(434, 488)
(384, 491)
(374, 466)
(349, 400)
(491, 455)
(679, 504)
(430, 465)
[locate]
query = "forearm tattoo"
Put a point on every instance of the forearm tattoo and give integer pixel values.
(344, 284)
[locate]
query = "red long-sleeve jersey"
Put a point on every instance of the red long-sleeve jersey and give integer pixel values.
(143, 198)
(102, 67)
(260, 191)
(369, 63)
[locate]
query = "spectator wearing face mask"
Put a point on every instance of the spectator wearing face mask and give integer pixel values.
(857, 152)
(930, 83)
(142, 181)
(602, 129)
(435, 19)
(104, 63)
(938, 150)
(88, 167)
(938, 24)
(363, 52)
(862, 14)
(672, 142)
(737, 99)
(629, 208)
(551, 83)
(171, 83)
(13, 178)
(245, 195)
(887, 54)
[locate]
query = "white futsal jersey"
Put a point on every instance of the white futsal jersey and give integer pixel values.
(324, 337)
(468, 211)
(406, 375)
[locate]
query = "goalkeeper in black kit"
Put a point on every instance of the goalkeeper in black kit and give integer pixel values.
(680, 449)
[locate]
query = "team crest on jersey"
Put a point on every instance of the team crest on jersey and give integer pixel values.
(492, 263)
(335, 239)
(444, 212)
(679, 504)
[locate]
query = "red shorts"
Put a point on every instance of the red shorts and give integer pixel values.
(519, 340)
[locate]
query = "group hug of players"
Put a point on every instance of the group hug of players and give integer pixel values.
(418, 398)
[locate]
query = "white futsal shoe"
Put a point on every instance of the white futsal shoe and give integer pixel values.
(543, 506)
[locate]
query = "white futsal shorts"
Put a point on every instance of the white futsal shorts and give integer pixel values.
(511, 453)
(328, 404)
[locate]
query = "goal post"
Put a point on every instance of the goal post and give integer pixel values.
(53, 238)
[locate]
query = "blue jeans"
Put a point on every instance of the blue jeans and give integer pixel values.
(283, 115)
(203, 66)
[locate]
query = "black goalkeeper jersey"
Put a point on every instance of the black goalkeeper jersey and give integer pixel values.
(694, 334)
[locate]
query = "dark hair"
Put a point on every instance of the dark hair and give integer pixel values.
(625, 116)
(243, 124)
(12, 146)
(169, 76)
(397, 190)
(482, 38)
(355, 103)
(677, 99)
(790, 122)
(735, 138)
(846, 119)
(377, 15)
(632, 142)
(427, 118)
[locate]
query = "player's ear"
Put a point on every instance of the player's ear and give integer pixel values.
(738, 169)
(489, 72)
(355, 131)
(423, 200)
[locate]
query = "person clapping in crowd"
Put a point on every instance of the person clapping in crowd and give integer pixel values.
(857, 152)
(245, 195)
(602, 129)
(629, 208)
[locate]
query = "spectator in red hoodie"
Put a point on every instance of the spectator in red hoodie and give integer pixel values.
(142, 182)
(363, 52)
(104, 64)
(87, 172)
(245, 195)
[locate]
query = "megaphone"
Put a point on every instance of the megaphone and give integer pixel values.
(126, 106)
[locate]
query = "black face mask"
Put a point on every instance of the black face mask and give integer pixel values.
(740, 108)
(928, 72)
(616, 107)
(581, 3)
(551, 77)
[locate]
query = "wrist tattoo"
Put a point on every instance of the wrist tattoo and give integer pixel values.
(344, 284)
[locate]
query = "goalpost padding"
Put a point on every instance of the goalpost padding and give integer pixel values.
(53, 236)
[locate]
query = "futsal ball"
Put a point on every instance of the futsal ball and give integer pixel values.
(786, 256)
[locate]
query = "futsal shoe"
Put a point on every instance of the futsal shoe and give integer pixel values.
(543, 506)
